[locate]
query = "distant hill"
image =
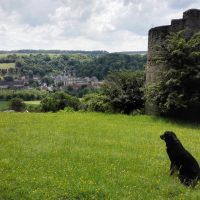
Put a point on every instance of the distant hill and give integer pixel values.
(66, 52)
(93, 64)
(102, 65)
(131, 52)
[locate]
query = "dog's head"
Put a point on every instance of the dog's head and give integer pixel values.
(169, 137)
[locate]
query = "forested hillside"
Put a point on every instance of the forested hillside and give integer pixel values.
(83, 65)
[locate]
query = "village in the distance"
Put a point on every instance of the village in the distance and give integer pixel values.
(75, 70)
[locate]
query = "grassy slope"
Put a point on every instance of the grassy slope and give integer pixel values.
(89, 156)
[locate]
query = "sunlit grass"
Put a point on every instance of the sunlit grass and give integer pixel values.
(90, 156)
(32, 102)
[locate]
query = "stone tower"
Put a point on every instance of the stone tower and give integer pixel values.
(156, 37)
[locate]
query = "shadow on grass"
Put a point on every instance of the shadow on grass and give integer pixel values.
(187, 123)
(85, 195)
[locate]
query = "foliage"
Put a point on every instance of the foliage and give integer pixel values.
(58, 101)
(124, 90)
(48, 80)
(100, 67)
(178, 91)
(90, 156)
(8, 78)
(45, 65)
(96, 102)
(26, 95)
(9, 59)
(17, 104)
(83, 90)
(33, 108)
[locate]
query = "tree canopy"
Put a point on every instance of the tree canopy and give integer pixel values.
(124, 90)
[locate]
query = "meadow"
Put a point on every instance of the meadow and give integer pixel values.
(7, 65)
(32, 102)
(75, 156)
(3, 105)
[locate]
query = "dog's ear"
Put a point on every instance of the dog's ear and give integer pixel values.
(174, 137)
(169, 136)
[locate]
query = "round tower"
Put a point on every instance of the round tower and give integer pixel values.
(156, 37)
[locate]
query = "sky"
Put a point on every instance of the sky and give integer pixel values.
(111, 25)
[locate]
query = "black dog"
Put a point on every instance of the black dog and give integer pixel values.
(181, 160)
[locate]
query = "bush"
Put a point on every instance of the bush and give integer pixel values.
(96, 102)
(58, 101)
(33, 108)
(8, 78)
(17, 104)
(48, 104)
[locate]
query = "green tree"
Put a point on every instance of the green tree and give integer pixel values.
(125, 90)
(96, 102)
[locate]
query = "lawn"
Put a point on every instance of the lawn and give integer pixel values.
(3, 105)
(90, 156)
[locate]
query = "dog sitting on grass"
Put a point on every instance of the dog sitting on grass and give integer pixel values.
(181, 160)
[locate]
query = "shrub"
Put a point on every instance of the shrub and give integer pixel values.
(96, 102)
(33, 108)
(58, 101)
(48, 104)
(17, 104)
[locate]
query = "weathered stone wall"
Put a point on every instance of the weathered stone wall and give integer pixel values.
(156, 37)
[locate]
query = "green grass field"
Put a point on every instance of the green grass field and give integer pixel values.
(3, 105)
(32, 102)
(77, 156)
(7, 65)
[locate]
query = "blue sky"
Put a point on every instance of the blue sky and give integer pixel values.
(112, 25)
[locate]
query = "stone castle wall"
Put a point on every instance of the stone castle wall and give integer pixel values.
(156, 37)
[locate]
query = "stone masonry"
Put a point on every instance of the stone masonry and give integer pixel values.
(156, 37)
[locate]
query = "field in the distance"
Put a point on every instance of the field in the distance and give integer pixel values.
(90, 156)
(32, 102)
(7, 65)
(4, 105)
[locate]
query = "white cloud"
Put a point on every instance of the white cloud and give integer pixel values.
(113, 25)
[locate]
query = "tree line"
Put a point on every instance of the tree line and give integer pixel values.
(100, 66)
